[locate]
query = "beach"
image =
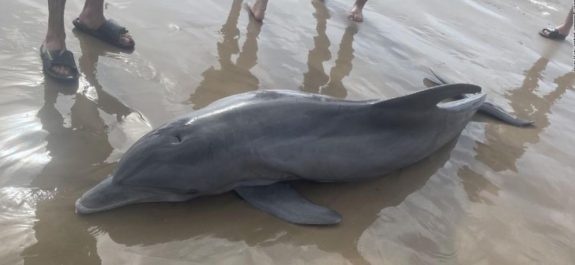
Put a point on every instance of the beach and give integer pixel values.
(497, 195)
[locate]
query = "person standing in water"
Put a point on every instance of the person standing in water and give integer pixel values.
(258, 10)
(57, 61)
(561, 31)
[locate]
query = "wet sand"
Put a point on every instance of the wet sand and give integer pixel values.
(497, 195)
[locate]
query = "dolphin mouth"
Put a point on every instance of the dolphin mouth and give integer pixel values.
(108, 195)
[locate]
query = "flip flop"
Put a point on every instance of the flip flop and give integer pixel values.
(109, 32)
(63, 58)
(552, 34)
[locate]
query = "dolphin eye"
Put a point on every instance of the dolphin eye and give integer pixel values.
(177, 139)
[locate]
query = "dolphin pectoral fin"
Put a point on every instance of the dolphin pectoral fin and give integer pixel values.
(282, 201)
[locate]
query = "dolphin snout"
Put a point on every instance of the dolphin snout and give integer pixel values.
(109, 195)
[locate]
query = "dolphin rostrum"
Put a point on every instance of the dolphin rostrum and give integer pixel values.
(252, 143)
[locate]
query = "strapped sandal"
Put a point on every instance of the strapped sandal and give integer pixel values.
(552, 34)
(63, 58)
(109, 32)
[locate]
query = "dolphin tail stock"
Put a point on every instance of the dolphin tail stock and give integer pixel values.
(487, 108)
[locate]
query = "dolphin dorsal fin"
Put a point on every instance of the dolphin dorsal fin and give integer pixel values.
(282, 201)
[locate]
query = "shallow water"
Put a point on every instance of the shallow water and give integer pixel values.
(498, 195)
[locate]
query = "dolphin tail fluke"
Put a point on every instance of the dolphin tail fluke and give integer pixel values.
(499, 113)
(486, 108)
(280, 200)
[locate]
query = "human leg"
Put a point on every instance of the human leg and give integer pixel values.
(55, 35)
(565, 28)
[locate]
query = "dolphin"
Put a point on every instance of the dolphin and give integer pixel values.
(256, 142)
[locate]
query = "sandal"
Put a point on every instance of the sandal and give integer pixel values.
(63, 58)
(109, 32)
(552, 34)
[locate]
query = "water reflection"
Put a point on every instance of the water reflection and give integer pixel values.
(315, 79)
(232, 77)
(527, 101)
(315, 75)
(227, 217)
(475, 183)
(88, 63)
(78, 149)
(342, 66)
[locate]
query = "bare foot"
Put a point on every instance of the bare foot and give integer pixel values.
(94, 21)
(356, 14)
(57, 44)
(258, 9)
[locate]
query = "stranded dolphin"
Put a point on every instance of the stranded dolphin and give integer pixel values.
(252, 143)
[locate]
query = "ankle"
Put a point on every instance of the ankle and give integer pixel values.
(359, 4)
(55, 41)
(564, 30)
(92, 18)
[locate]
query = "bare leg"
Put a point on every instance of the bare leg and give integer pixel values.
(93, 17)
(566, 27)
(356, 12)
(56, 36)
(258, 9)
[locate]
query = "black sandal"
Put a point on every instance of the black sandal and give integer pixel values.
(63, 58)
(552, 34)
(109, 32)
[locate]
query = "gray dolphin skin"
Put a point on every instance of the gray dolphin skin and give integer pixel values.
(252, 143)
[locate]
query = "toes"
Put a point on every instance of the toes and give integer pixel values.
(126, 40)
(356, 17)
(545, 32)
(61, 70)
